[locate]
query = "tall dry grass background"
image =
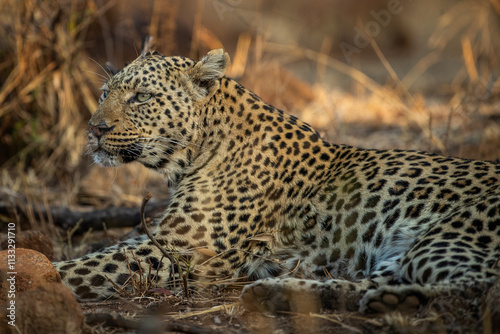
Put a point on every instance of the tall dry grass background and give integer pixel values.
(428, 80)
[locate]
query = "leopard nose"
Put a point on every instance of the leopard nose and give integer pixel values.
(100, 129)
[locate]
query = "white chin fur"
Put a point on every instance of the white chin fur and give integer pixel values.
(105, 160)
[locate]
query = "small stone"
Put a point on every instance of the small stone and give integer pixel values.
(31, 269)
(35, 240)
(50, 308)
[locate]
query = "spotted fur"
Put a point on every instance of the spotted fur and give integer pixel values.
(256, 194)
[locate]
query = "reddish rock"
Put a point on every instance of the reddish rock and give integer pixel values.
(28, 271)
(51, 308)
(35, 240)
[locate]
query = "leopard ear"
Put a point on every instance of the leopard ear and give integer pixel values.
(206, 73)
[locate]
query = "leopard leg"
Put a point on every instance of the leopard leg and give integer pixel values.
(97, 276)
(273, 295)
(443, 262)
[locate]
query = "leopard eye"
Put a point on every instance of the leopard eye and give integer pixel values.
(143, 97)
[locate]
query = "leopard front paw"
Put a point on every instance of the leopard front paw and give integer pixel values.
(273, 295)
(265, 296)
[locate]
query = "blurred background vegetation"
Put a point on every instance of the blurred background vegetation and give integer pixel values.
(373, 73)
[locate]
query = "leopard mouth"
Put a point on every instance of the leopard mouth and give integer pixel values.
(122, 155)
(130, 153)
(104, 158)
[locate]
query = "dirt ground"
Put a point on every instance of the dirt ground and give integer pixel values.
(450, 314)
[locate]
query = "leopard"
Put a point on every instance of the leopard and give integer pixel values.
(259, 197)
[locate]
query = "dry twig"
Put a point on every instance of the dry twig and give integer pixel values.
(165, 253)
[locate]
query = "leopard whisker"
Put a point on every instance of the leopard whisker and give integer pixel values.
(103, 77)
(108, 76)
(170, 140)
(155, 148)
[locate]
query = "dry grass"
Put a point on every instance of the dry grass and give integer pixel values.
(47, 90)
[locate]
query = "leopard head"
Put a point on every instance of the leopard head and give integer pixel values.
(150, 110)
